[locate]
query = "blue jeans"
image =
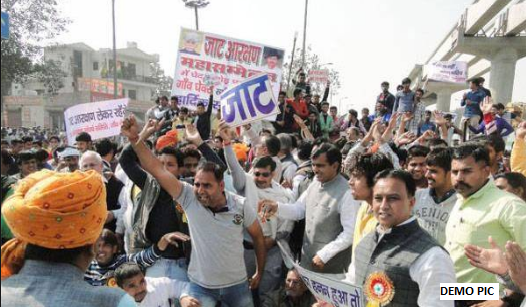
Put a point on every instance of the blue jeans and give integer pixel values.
(173, 269)
(234, 296)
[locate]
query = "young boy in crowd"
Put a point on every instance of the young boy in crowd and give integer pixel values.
(101, 270)
(151, 292)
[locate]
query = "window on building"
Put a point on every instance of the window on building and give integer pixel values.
(77, 64)
(95, 66)
(131, 71)
(132, 94)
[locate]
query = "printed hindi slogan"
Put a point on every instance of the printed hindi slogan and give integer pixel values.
(206, 59)
(100, 119)
(248, 101)
(319, 76)
(447, 71)
(329, 292)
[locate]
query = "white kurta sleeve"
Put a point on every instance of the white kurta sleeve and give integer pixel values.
(432, 268)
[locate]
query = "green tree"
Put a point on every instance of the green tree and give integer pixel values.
(312, 62)
(51, 75)
(32, 23)
(164, 82)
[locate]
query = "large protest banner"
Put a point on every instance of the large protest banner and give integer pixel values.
(447, 71)
(206, 59)
(248, 101)
(100, 119)
(327, 290)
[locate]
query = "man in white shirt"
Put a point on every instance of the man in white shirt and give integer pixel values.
(329, 211)
(150, 292)
(404, 258)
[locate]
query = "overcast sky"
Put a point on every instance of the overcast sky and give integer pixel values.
(368, 41)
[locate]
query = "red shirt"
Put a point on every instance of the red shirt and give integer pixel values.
(300, 107)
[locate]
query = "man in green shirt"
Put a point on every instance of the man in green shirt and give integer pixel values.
(7, 190)
(481, 210)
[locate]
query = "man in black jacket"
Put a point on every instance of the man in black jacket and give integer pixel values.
(203, 121)
(386, 97)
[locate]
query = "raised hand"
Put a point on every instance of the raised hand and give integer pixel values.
(388, 133)
(224, 131)
(439, 118)
(520, 132)
(429, 134)
(406, 138)
(486, 105)
(192, 135)
(407, 117)
(150, 128)
(172, 238)
(491, 259)
(130, 128)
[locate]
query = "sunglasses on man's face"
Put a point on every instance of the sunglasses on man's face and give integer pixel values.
(258, 174)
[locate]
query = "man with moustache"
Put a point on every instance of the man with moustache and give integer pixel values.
(481, 210)
(434, 204)
(329, 211)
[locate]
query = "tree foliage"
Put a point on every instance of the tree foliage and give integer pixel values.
(164, 82)
(51, 75)
(32, 23)
(312, 62)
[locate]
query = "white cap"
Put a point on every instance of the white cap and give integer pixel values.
(69, 152)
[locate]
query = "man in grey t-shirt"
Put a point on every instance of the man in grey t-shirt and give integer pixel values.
(217, 219)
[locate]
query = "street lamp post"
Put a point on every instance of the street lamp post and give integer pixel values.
(304, 33)
(195, 5)
(115, 88)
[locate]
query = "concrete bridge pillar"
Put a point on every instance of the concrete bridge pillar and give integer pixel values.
(502, 75)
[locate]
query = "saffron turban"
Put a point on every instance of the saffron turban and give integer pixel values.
(169, 139)
(241, 150)
(54, 211)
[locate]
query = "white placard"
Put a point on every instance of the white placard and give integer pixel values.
(447, 71)
(248, 101)
(100, 119)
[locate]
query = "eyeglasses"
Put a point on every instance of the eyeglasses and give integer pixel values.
(70, 159)
(258, 174)
(191, 165)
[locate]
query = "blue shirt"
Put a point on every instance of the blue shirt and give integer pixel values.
(404, 102)
(475, 98)
(49, 284)
(426, 126)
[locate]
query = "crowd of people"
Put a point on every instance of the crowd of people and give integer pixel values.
(192, 212)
